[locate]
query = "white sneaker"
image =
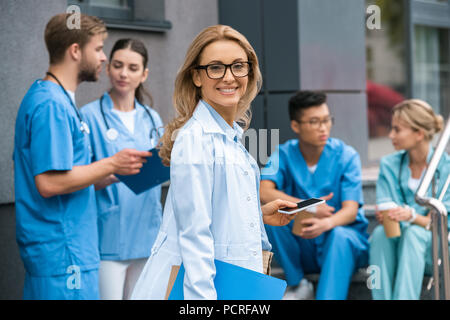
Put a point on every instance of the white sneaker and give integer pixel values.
(304, 291)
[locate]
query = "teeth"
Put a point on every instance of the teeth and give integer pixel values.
(227, 90)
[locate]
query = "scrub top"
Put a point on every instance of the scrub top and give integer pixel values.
(58, 233)
(338, 171)
(127, 223)
(388, 186)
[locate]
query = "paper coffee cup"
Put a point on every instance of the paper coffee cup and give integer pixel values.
(391, 227)
(298, 226)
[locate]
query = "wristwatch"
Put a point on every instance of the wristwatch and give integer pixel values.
(413, 214)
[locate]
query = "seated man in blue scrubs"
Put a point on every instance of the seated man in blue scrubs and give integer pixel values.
(56, 217)
(334, 242)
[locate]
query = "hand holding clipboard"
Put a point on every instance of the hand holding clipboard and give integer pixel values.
(152, 173)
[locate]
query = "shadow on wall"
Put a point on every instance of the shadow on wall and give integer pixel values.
(12, 272)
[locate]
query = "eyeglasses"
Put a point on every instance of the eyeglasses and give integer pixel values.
(316, 123)
(218, 70)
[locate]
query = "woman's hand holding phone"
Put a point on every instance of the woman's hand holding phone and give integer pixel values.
(273, 217)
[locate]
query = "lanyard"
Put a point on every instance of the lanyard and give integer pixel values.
(112, 133)
(84, 127)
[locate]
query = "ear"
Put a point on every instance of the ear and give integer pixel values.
(295, 126)
(420, 135)
(144, 75)
(196, 78)
(108, 65)
(74, 52)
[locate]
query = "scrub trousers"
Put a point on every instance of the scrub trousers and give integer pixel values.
(336, 255)
(402, 262)
(81, 286)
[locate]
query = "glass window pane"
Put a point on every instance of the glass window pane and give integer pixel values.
(435, 0)
(432, 67)
(386, 74)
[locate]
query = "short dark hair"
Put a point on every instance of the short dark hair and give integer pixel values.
(303, 100)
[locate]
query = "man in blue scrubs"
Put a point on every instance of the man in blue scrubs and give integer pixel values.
(333, 242)
(56, 218)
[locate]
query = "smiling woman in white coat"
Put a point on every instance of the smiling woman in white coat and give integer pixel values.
(213, 208)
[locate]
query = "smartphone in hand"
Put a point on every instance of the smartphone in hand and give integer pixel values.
(302, 205)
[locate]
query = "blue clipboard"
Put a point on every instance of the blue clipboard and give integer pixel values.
(152, 173)
(236, 283)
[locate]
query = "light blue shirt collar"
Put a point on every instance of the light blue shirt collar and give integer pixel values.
(212, 121)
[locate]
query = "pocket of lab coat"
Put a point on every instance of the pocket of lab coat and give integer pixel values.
(231, 252)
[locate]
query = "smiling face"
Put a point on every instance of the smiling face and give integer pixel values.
(126, 71)
(223, 93)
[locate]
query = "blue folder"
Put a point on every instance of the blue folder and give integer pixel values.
(236, 283)
(152, 173)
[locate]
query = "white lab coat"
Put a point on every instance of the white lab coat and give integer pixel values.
(212, 209)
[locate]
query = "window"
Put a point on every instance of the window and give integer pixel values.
(144, 15)
(432, 67)
(408, 58)
(387, 82)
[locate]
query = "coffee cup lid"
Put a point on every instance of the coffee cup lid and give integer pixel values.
(387, 206)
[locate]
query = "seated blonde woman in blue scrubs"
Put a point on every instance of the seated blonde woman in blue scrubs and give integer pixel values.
(402, 260)
(127, 223)
(212, 209)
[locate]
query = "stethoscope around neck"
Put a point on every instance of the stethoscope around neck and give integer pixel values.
(402, 163)
(112, 134)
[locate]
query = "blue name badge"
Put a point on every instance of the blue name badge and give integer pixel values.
(236, 283)
(152, 173)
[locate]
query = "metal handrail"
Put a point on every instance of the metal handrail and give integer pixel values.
(438, 216)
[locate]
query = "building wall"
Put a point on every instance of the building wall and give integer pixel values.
(307, 45)
(24, 59)
(23, 22)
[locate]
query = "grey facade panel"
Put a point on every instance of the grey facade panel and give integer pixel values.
(258, 113)
(278, 115)
(281, 46)
(332, 45)
(435, 14)
(350, 114)
(245, 17)
(24, 59)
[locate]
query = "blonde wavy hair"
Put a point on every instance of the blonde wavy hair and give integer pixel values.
(187, 95)
(419, 115)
